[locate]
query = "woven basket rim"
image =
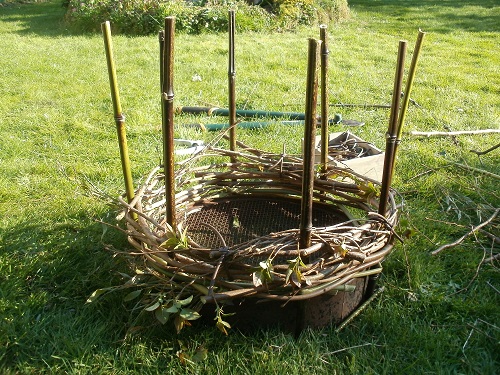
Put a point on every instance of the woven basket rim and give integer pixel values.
(354, 248)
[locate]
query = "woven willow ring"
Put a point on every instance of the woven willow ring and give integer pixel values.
(237, 234)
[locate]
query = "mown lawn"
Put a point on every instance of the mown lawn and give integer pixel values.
(438, 314)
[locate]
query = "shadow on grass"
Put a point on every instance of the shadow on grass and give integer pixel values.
(41, 18)
(47, 273)
(444, 15)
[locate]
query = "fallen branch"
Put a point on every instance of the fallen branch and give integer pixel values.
(492, 258)
(490, 174)
(479, 153)
(474, 229)
(452, 134)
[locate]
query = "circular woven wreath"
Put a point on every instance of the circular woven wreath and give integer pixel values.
(176, 273)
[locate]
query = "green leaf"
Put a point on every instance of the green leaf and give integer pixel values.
(257, 279)
(132, 295)
(185, 302)
(172, 309)
(295, 279)
(221, 325)
(153, 307)
(180, 322)
(162, 315)
(289, 272)
(94, 296)
(189, 314)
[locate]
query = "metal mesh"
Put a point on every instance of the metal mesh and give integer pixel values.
(242, 219)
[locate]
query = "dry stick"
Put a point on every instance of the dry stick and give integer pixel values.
(231, 85)
(359, 309)
(309, 141)
(360, 105)
(324, 100)
(479, 153)
(452, 134)
(490, 174)
(167, 99)
(119, 117)
(392, 132)
(474, 229)
(494, 257)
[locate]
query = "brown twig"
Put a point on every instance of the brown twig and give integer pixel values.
(474, 229)
(490, 174)
(479, 153)
(454, 133)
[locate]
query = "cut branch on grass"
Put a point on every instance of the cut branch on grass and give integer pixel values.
(490, 174)
(474, 229)
(454, 133)
(479, 153)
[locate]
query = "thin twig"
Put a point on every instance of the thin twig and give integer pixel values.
(468, 337)
(351, 347)
(476, 274)
(485, 151)
(490, 174)
(495, 289)
(494, 257)
(454, 133)
(474, 229)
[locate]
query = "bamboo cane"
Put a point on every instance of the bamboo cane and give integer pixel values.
(117, 109)
(231, 86)
(161, 40)
(167, 99)
(309, 140)
(409, 83)
(324, 99)
(392, 132)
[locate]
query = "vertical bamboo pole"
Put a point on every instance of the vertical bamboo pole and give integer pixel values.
(231, 85)
(161, 40)
(324, 99)
(167, 99)
(409, 83)
(391, 134)
(117, 109)
(309, 140)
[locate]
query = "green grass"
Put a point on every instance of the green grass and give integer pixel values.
(57, 132)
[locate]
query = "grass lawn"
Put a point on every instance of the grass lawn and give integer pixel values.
(438, 314)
